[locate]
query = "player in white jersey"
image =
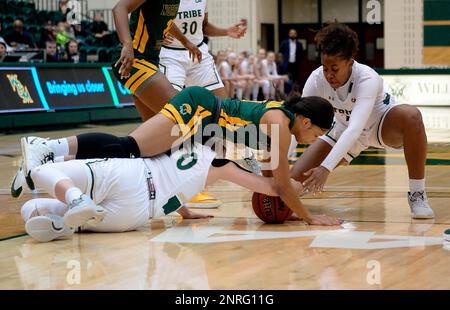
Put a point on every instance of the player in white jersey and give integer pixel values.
(192, 19)
(365, 116)
(117, 195)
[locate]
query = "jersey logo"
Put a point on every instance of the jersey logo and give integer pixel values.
(170, 10)
(185, 109)
(187, 161)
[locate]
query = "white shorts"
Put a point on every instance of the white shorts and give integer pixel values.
(371, 137)
(120, 186)
(182, 72)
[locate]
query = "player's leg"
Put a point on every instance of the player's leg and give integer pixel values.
(156, 93)
(148, 84)
(144, 111)
(68, 182)
(403, 127)
(43, 219)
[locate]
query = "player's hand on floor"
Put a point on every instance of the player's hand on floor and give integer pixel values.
(324, 220)
(195, 216)
(316, 180)
(125, 61)
(190, 215)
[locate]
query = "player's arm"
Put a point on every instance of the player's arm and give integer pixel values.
(233, 173)
(236, 31)
(120, 12)
(194, 52)
(281, 174)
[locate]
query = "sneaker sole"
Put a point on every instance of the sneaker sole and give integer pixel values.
(78, 217)
(423, 217)
(28, 179)
(42, 229)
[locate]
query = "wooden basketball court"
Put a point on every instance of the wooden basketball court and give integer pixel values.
(379, 246)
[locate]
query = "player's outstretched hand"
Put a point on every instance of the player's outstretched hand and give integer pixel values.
(316, 180)
(237, 31)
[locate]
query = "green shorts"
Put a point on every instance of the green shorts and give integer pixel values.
(142, 72)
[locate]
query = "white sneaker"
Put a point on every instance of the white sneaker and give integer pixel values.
(420, 209)
(47, 228)
(35, 152)
(83, 210)
(447, 235)
(252, 164)
(18, 183)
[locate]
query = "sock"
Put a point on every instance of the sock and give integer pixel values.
(72, 194)
(59, 146)
(417, 185)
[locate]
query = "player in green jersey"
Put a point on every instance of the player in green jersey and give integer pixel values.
(136, 66)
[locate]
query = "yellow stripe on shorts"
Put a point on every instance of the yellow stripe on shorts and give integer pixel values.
(141, 80)
(139, 28)
(175, 113)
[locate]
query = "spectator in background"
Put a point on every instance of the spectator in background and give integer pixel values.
(2, 51)
(100, 30)
(48, 33)
(261, 76)
(239, 81)
(246, 71)
(8, 48)
(226, 74)
(282, 70)
(223, 68)
(79, 32)
(292, 51)
(72, 54)
(51, 52)
(18, 38)
(276, 81)
(64, 35)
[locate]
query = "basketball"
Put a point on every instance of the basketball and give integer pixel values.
(271, 210)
